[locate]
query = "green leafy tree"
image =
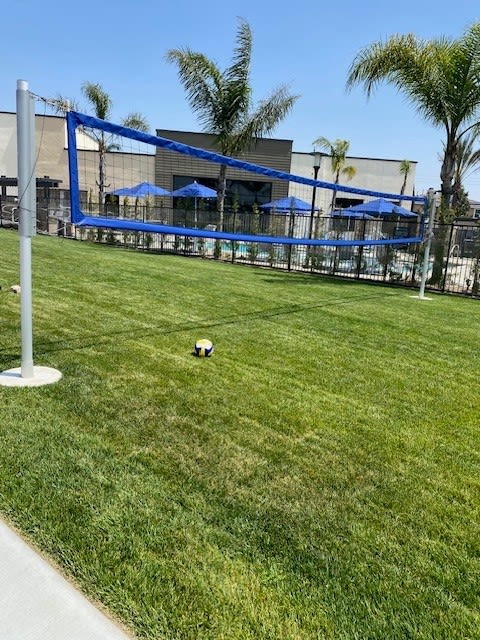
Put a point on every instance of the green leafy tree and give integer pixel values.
(222, 101)
(439, 77)
(337, 151)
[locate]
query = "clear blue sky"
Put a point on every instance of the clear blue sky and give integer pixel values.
(309, 45)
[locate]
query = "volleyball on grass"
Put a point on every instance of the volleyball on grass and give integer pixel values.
(203, 348)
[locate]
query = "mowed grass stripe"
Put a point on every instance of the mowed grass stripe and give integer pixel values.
(317, 477)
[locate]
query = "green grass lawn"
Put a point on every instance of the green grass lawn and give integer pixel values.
(316, 478)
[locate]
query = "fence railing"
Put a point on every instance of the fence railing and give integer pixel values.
(454, 259)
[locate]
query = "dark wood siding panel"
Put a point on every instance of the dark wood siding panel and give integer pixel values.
(270, 153)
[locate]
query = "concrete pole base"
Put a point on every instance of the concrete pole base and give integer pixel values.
(41, 376)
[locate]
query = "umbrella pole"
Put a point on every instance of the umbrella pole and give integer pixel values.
(195, 223)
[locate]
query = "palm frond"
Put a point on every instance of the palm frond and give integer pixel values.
(337, 151)
(467, 156)
(136, 120)
(269, 112)
(98, 98)
(238, 72)
(202, 81)
(324, 144)
(349, 172)
(381, 61)
(222, 100)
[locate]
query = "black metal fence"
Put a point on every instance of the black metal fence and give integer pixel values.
(454, 265)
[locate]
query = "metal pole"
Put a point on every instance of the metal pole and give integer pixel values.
(291, 231)
(447, 263)
(360, 249)
(428, 244)
(317, 159)
(26, 182)
(32, 182)
(27, 375)
(314, 194)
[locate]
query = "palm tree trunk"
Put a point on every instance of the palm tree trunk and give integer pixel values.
(101, 170)
(457, 186)
(222, 188)
(334, 195)
(439, 246)
(447, 177)
(101, 178)
(334, 198)
(405, 167)
(447, 173)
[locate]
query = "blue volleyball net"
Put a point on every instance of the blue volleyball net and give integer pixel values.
(126, 181)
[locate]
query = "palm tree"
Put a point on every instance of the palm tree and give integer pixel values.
(338, 154)
(439, 77)
(102, 106)
(222, 101)
(467, 161)
(405, 167)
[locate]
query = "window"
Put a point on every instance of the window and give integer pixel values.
(342, 202)
(242, 193)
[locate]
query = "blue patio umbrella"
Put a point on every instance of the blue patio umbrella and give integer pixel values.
(141, 190)
(286, 205)
(348, 213)
(381, 207)
(194, 190)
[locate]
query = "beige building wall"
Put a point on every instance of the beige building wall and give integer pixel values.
(372, 174)
(126, 169)
(8, 145)
(122, 170)
(52, 156)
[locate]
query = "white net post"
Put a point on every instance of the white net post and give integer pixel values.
(27, 375)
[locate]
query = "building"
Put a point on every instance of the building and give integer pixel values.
(474, 209)
(171, 170)
(375, 174)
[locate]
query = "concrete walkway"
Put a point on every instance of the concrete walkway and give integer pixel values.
(37, 603)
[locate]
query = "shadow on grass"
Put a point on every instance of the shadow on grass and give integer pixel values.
(337, 280)
(9, 360)
(88, 341)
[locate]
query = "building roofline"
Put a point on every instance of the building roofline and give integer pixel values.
(40, 115)
(206, 133)
(306, 153)
(199, 133)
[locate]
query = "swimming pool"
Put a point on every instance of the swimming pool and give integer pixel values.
(241, 248)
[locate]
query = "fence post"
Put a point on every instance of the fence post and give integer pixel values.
(234, 222)
(428, 244)
(444, 276)
(291, 225)
(360, 249)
